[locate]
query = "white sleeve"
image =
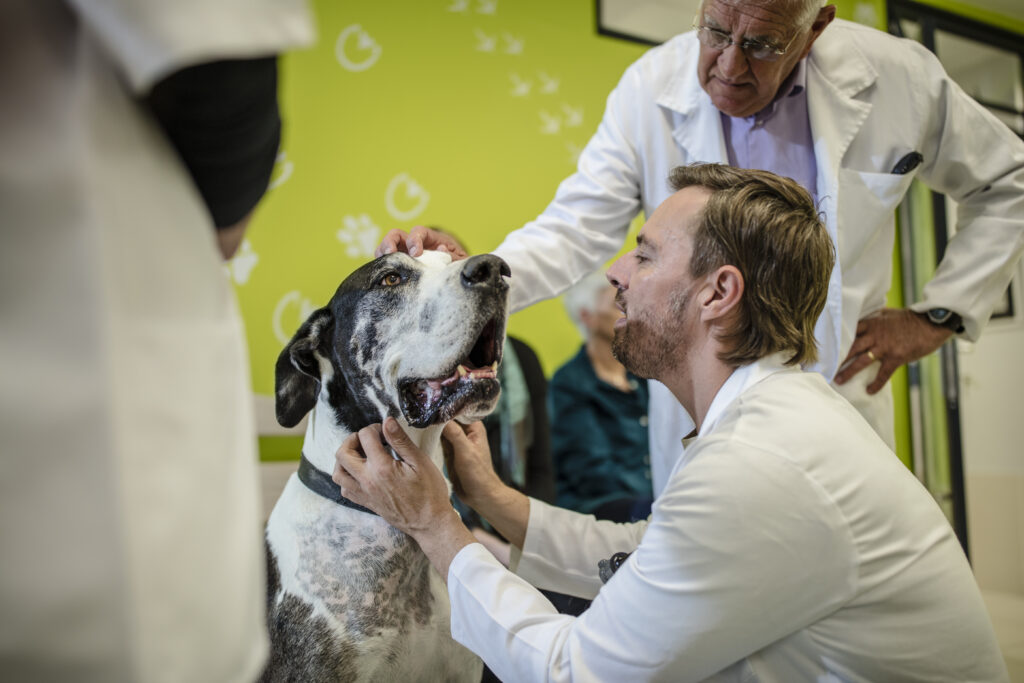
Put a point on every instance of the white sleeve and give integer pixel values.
(588, 220)
(563, 547)
(979, 163)
(152, 39)
(739, 553)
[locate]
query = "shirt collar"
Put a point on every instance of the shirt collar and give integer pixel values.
(794, 86)
(796, 82)
(739, 381)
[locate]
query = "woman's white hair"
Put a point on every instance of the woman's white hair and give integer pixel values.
(584, 296)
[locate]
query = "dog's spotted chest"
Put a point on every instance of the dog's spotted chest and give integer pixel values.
(369, 577)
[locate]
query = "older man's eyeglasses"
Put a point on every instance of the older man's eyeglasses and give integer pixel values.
(717, 39)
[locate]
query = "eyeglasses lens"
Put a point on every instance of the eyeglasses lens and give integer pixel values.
(720, 40)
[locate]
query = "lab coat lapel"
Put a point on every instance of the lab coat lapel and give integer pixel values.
(698, 129)
(833, 82)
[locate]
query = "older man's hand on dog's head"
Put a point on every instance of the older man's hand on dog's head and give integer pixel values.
(409, 492)
(418, 240)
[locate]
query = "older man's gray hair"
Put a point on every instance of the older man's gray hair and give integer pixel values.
(803, 11)
(807, 10)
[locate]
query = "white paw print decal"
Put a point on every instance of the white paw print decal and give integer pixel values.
(359, 235)
(549, 85)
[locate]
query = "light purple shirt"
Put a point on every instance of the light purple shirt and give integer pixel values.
(777, 138)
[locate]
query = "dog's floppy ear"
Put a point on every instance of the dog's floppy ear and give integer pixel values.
(297, 374)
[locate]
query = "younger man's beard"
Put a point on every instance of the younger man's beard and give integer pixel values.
(649, 348)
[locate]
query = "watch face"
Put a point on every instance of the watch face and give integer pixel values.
(939, 315)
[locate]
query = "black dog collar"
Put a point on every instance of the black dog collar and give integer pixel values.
(320, 482)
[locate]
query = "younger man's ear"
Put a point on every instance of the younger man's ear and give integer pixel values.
(723, 292)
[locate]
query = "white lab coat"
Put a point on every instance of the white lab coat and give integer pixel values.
(872, 98)
(130, 533)
(789, 545)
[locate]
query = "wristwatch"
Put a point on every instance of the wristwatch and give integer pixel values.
(943, 317)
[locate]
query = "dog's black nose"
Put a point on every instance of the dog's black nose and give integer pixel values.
(484, 269)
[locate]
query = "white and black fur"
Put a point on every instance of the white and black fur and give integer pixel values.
(351, 598)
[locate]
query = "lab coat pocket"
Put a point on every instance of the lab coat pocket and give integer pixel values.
(867, 209)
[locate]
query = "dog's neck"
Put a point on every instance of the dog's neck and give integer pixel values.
(324, 436)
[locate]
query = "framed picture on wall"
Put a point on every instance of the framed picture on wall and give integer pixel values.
(651, 22)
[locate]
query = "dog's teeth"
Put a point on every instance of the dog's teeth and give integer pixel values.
(463, 371)
(494, 366)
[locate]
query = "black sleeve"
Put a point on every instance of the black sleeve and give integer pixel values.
(222, 118)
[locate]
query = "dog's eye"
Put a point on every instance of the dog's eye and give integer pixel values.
(391, 279)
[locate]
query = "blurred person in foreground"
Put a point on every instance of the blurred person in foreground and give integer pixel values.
(137, 139)
(790, 544)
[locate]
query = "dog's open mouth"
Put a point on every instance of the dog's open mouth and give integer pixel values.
(473, 380)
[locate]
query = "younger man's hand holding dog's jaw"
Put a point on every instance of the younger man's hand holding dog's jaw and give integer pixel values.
(411, 494)
(471, 471)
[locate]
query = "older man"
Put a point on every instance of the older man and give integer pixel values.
(851, 113)
(790, 543)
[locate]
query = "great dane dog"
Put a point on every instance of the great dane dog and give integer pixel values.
(351, 598)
